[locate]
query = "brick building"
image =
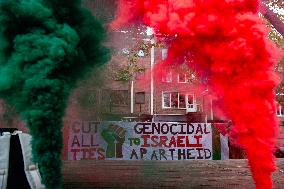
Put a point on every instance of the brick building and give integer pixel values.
(169, 94)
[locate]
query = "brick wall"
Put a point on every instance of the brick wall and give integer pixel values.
(199, 174)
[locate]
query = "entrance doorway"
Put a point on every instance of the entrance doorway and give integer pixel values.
(191, 105)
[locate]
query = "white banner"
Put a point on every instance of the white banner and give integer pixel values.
(139, 140)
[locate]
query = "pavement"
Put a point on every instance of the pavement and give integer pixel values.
(194, 174)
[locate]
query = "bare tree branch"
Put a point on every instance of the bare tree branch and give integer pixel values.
(272, 17)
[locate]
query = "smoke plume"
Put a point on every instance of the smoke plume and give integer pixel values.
(45, 46)
(227, 43)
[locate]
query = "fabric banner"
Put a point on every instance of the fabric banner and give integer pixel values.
(139, 140)
(224, 141)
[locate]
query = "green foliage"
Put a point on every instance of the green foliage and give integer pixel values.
(276, 38)
(128, 72)
(46, 45)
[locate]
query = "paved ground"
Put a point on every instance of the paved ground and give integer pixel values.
(168, 174)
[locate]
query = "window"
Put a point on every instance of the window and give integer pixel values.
(182, 103)
(182, 78)
(166, 100)
(280, 111)
(164, 54)
(191, 103)
(119, 97)
(140, 98)
(190, 99)
(173, 100)
(167, 76)
(185, 78)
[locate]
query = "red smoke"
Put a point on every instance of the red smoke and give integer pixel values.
(227, 42)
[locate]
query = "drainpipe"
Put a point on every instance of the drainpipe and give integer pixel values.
(132, 97)
(211, 109)
(152, 81)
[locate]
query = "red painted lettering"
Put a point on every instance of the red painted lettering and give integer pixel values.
(145, 139)
(180, 141)
(163, 140)
(155, 141)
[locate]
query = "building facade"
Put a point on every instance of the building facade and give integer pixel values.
(162, 93)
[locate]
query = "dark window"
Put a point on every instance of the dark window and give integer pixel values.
(175, 100)
(166, 100)
(182, 101)
(167, 76)
(140, 98)
(119, 97)
(182, 78)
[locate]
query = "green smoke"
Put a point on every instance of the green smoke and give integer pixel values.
(45, 46)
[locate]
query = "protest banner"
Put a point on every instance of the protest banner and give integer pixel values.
(139, 140)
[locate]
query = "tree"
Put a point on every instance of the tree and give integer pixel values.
(132, 68)
(275, 20)
(271, 16)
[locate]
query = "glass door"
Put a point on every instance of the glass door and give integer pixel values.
(191, 103)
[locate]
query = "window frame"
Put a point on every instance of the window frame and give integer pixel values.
(185, 78)
(123, 94)
(163, 100)
(185, 99)
(280, 111)
(167, 74)
(164, 53)
(171, 100)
